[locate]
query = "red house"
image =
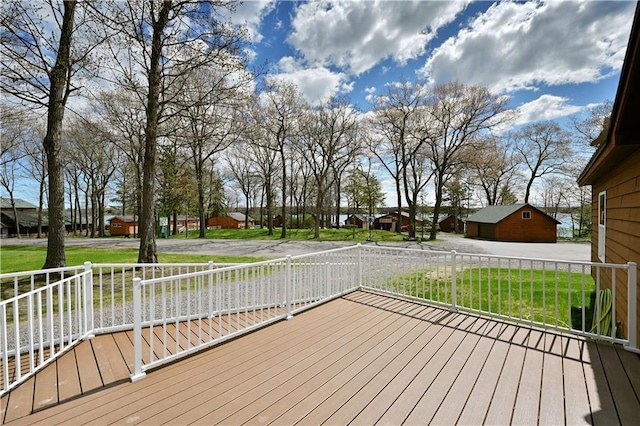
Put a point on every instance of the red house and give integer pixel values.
(516, 222)
(230, 221)
(123, 225)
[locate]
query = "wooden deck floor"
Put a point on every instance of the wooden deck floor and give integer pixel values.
(361, 359)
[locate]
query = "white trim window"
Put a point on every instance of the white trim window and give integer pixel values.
(526, 214)
(602, 225)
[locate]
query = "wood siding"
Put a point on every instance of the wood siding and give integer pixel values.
(622, 244)
(120, 227)
(540, 228)
(225, 222)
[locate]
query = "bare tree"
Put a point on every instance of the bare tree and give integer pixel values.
(210, 102)
(544, 148)
(396, 147)
(155, 45)
(458, 116)
(90, 148)
(494, 169)
(243, 170)
(39, 68)
(123, 114)
(328, 139)
(279, 114)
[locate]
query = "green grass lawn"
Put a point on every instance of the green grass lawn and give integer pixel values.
(532, 294)
(330, 234)
(28, 258)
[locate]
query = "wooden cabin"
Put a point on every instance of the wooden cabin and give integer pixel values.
(614, 175)
(515, 223)
(123, 225)
(448, 224)
(389, 222)
(357, 220)
(232, 220)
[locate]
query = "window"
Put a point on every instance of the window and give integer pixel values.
(602, 225)
(115, 225)
(526, 214)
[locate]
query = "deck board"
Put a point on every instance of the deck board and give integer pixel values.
(503, 399)
(111, 363)
(552, 409)
(625, 399)
(360, 359)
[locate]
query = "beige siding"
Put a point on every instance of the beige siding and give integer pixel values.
(622, 227)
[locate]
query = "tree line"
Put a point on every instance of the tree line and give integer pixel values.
(172, 119)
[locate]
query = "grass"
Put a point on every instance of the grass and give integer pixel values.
(28, 258)
(330, 234)
(532, 295)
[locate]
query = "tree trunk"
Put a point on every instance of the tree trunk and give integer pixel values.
(53, 141)
(40, 203)
(283, 234)
(148, 252)
(436, 208)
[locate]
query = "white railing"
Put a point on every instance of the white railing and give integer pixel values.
(38, 326)
(13, 284)
(177, 309)
(216, 305)
(47, 313)
(546, 293)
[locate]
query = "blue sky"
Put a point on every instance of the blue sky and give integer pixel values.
(552, 59)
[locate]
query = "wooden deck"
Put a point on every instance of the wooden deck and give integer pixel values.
(361, 359)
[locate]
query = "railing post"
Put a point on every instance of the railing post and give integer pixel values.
(88, 301)
(287, 286)
(137, 330)
(632, 307)
(359, 278)
(454, 288)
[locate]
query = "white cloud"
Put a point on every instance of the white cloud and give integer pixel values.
(356, 36)
(250, 14)
(316, 84)
(515, 46)
(546, 107)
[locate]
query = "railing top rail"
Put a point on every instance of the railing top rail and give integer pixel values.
(495, 256)
(534, 259)
(413, 250)
(153, 265)
(43, 288)
(330, 251)
(231, 268)
(245, 265)
(41, 271)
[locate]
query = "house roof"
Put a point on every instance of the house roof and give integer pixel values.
(495, 214)
(621, 136)
(125, 218)
(238, 216)
(5, 203)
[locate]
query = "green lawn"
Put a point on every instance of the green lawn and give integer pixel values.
(27, 258)
(331, 234)
(532, 295)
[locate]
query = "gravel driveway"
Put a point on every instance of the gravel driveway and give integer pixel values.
(280, 248)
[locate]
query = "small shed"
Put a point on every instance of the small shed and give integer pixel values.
(515, 222)
(123, 225)
(448, 224)
(357, 220)
(233, 220)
